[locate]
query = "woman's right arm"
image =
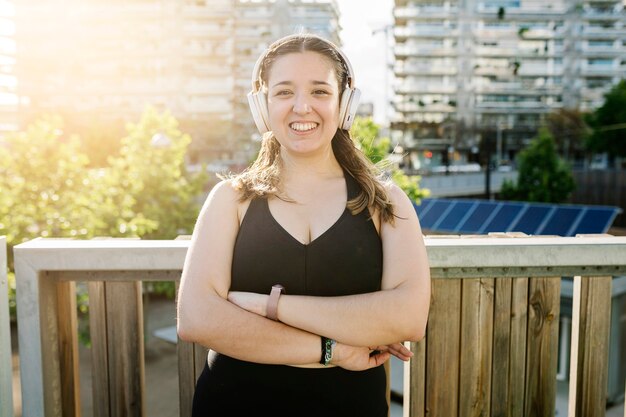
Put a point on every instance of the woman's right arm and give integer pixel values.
(205, 316)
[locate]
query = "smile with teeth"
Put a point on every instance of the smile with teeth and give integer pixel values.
(303, 127)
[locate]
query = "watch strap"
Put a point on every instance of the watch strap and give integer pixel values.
(272, 301)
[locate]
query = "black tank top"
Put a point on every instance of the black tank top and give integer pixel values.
(346, 259)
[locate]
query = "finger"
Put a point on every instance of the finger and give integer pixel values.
(379, 359)
(401, 348)
(403, 354)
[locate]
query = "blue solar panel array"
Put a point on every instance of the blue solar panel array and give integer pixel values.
(483, 216)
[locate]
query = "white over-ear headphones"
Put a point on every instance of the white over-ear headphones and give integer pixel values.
(258, 101)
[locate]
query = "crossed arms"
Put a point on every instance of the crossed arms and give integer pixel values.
(234, 323)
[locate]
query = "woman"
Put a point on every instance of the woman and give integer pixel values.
(311, 216)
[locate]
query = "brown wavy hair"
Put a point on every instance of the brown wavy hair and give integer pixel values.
(263, 177)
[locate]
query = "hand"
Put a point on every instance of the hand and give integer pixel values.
(396, 349)
(355, 358)
(250, 301)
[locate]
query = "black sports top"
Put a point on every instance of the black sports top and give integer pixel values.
(346, 259)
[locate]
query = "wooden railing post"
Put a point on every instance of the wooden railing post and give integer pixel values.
(6, 367)
(544, 296)
(118, 364)
(67, 324)
(191, 360)
(590, 346)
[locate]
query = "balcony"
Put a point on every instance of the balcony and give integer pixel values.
(402, 33)
(426, 69)
(402, 14)
(418, 88)
(603, 14)
(404, 51)
(492, 339)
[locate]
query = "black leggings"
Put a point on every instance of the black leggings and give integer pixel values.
(230, 387)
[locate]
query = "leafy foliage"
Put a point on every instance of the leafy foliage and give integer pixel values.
(366, 133)
(568, 128)
(543, 176)
(49, 189)
(609, 123)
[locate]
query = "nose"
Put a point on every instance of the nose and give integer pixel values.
(301, 106)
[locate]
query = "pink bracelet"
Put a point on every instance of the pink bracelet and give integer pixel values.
(272, 301)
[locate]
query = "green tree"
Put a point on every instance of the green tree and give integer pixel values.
(49, 189)
(152, 181)
(568, 128)
(543, 176)
(609, 123)
(45, 188)
(366, 134)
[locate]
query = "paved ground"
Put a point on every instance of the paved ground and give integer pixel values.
(162, 373)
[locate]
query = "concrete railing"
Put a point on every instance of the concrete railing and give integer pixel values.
(6, 367)
(491, 345)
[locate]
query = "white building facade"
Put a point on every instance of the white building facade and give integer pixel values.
(498, 67)
(110, 59)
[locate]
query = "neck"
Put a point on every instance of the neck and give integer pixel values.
(322, 165)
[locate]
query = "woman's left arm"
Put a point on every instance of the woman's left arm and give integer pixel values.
(396, 313)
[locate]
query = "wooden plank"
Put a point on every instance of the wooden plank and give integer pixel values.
(68, 348)
(186, 376)
(200, 358)
(415, 381)
(517, 347)
(50, 344)
(443, 347)
(501, 347)
(590, 346)
(99, 356)
(124, 316)
(476, 347)
(542, 346)
(6, 364)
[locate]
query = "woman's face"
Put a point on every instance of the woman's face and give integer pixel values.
(303, 102)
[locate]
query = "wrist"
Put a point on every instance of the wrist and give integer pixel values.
(271, 306)
(328, 347)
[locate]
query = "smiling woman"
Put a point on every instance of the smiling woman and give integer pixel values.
(305, 272)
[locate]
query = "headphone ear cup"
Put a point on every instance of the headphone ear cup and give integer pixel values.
(258, 108)
(348, 106)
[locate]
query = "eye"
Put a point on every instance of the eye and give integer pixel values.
(320, 92)
(282, 93)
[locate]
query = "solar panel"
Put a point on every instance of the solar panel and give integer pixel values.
(476, 220)
(593, 217)
(437, 208)
(531, 219)
(561, 221)
(503, 219)
(452, 220)
(484, 216)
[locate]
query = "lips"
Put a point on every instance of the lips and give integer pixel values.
(303, 126)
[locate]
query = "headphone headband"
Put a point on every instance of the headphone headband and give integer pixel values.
(256, 84)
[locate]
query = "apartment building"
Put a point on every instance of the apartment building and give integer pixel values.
(107, 60)
(8, 84)
(480, 70)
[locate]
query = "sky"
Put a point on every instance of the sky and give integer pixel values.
(366, 51)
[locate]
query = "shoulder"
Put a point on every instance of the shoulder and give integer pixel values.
(224, 192)
(402, 205)
(227, 197)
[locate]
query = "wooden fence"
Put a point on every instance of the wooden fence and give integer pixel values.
(602, 187)
(490, 350)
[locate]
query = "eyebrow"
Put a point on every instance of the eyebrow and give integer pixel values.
(314, 82)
